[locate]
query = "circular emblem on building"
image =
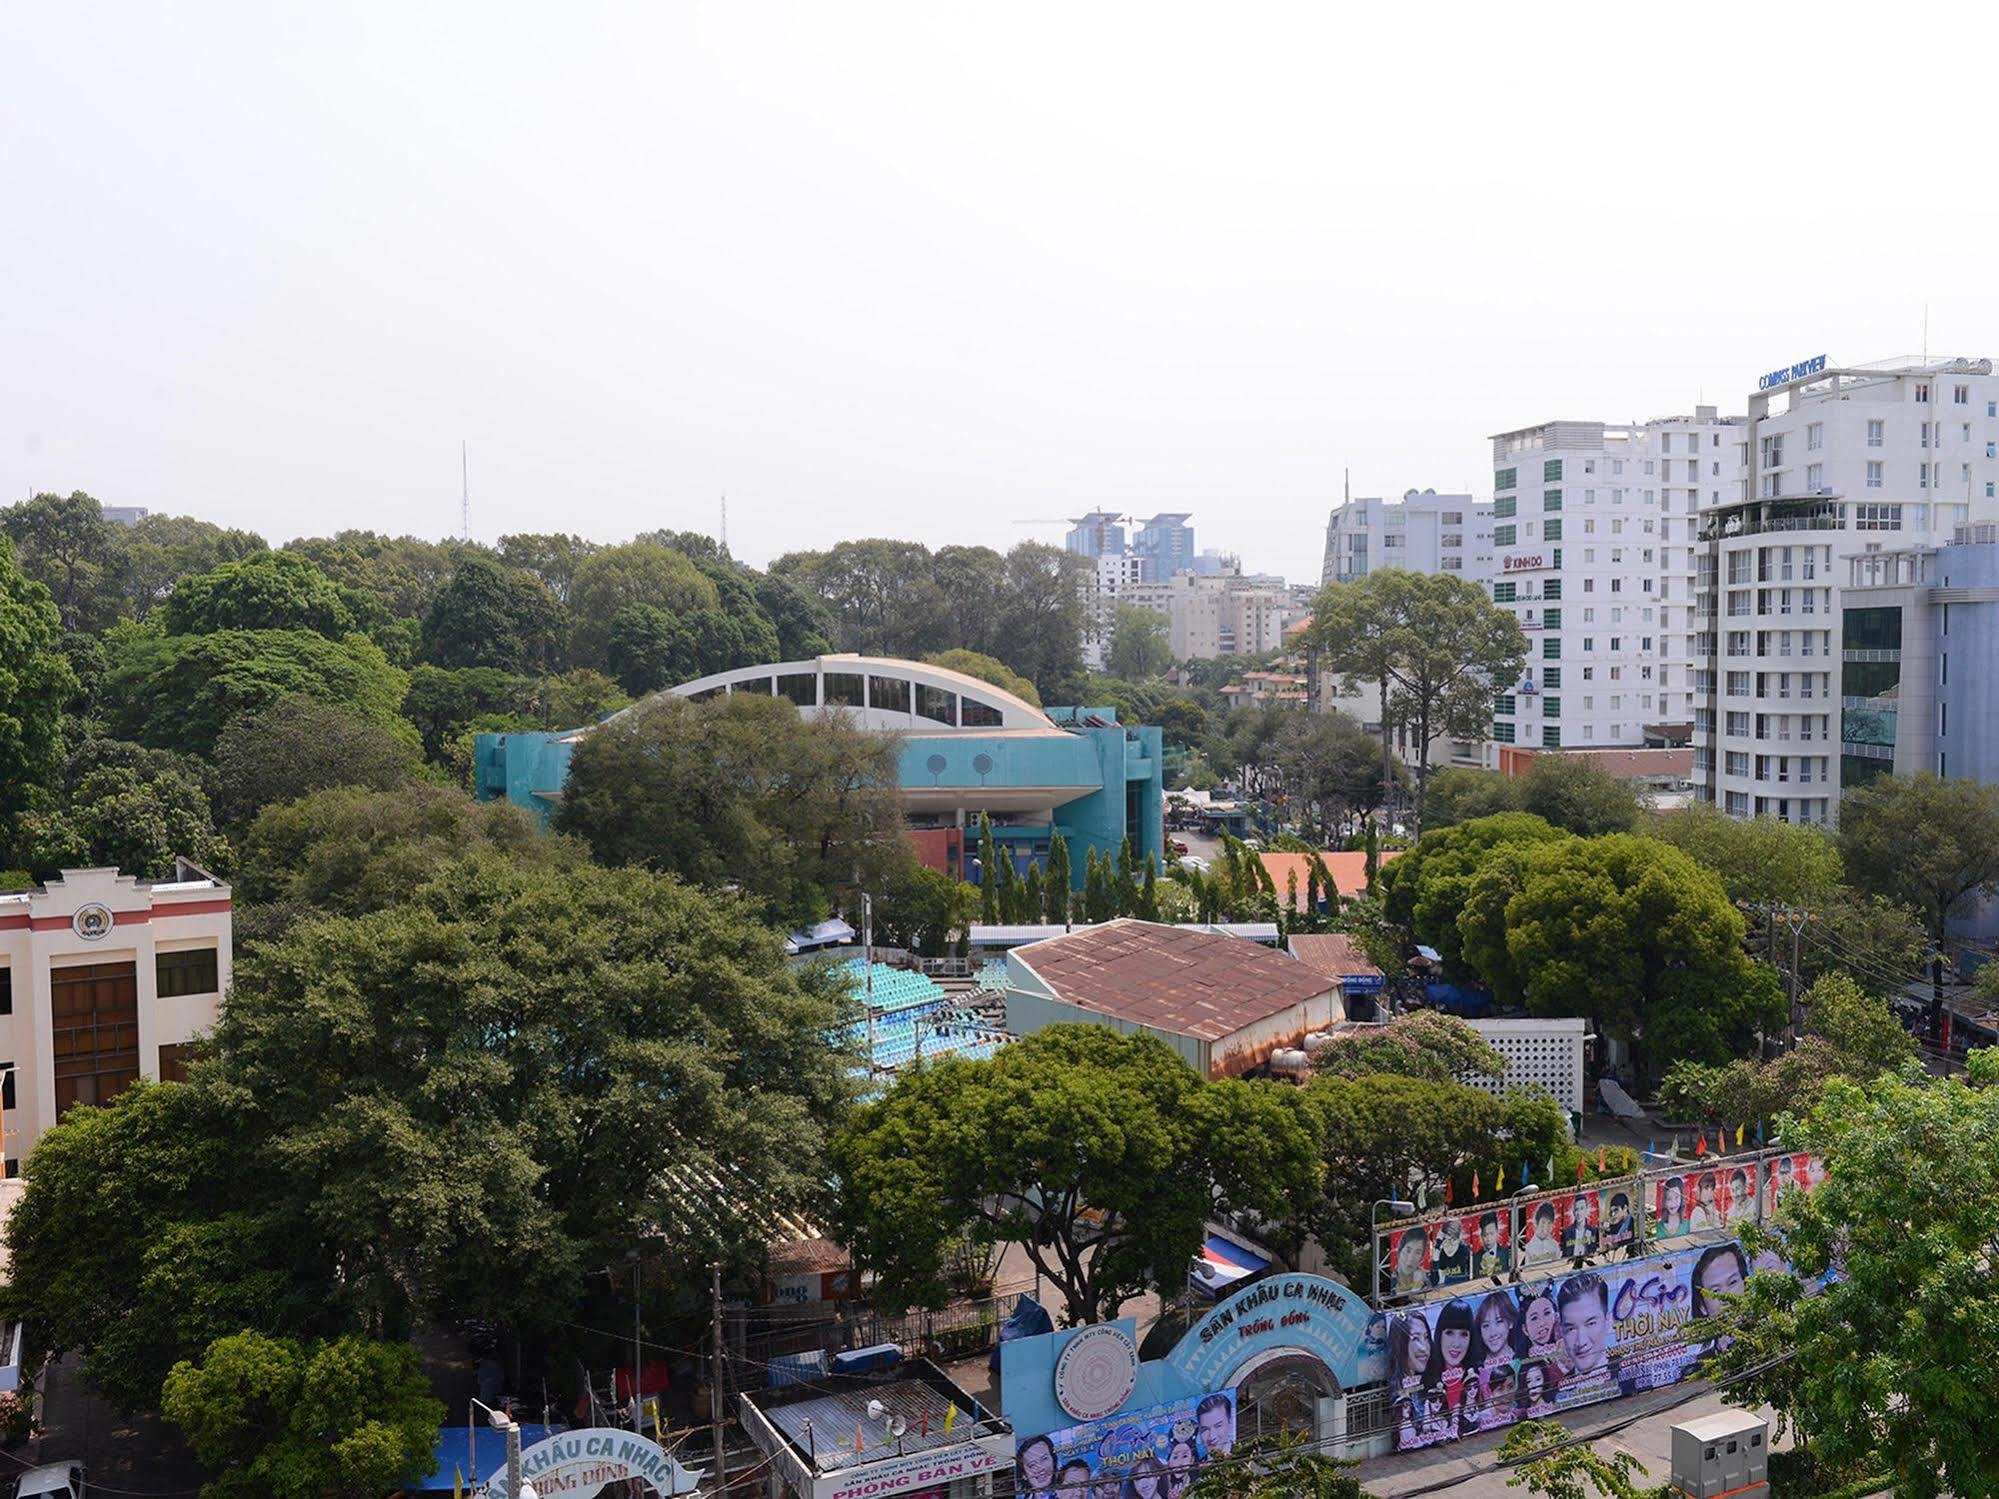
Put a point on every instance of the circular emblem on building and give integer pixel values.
(1095, 1373)
(92, 922)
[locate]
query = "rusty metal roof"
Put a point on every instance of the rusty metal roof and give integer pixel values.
(1173, 979)
(1334, 954)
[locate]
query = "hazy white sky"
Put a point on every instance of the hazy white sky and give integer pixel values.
(927, 270)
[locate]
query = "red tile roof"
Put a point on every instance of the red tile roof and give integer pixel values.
(1349, 871)
(1171, 979)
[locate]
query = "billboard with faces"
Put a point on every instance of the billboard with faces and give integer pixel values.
(1453, 1250)
(1147, 1454)
(1481, 1362)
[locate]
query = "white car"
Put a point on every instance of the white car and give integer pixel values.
(55, 1481)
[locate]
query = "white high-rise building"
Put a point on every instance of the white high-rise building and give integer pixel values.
(1112, 577)
(1424, 531)
(1593, 536)
(1834, 463)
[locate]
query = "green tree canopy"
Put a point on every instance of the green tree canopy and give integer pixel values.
(440, 702)
(179, 692)
(127, 817)
(1626, 931)
(740, 790)
(987, 669)
(1141, 643)
(1847, 1033)
(347, 1419)
(1458, 794)
(1101, 1155)
(494, 616)
(1759, 859)
(298, 745)
(1922, 842)
(35, 683)
(1424, 891)
(401, 574)
(64, 543)
(1887, 1362)
(636, 573)
(1571, 792)
(157, 551)
(552, 557)
(1435, 1047)
(352, 850)
(263, 591)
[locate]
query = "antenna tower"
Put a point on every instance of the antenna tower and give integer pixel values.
(724, 538)
(464, 493)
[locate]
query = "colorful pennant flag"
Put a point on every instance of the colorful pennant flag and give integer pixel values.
(1581, 1162)
(1447, 1191)
(1551, 1170)
(457, 1482)
(1720, 1142)
(1474, 1184)
(1524, 1178)
(1700, 1146)
(1601, 1157)
(950, 1418)
(859, 1444)
(1651, 1149)
(1738, 1137)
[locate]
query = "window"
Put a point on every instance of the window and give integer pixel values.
(1503, 536)
(1874, 433)
(801, 687)
(1504, 704)
(189, 971)
(1552, 619)
(1923, 391)
(1589, 525)
(1553, 530)
(1815, 437)
(1960, 395)
(174, 1058)
(1502, 733)
(1551, 736)
(1502, 593)
(935, 704)
(1551, 649)
(1506, 478)
(890, 694)
(1551, 471)
(7, 1087)
(6, 991)
(1453, 518)
(1551, 499)
(1551, 707)
(1877, 517)
(1552, 678)
(1814, 477)
(1504, 507)
(977, 715)
(1552, 589)
(1874, 473)
(845, 689)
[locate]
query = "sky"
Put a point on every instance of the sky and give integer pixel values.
(942, 272)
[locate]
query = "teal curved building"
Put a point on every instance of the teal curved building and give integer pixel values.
(968, 748)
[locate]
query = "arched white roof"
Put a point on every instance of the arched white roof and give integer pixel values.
(882, 692)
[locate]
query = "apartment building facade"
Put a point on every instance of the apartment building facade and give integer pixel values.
(104, 979)
(1233, 614)
(1836, 463)
(1594, 536)
(1424, 531)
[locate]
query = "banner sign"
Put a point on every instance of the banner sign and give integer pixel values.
(1156, 1451)
(1599, 1221)
(1277, 1316)
(577, 1464)
(980, 1459)
(1476, 1364)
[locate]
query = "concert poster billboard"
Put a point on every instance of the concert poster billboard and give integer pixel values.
(1481, 1362)
(1155, 1453)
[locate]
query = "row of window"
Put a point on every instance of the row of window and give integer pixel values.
(884, 694)
(192, 970)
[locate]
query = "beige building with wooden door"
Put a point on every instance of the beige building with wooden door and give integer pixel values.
(104, 979)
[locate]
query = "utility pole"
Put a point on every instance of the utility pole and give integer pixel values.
(718, 1382)
(637, 1353)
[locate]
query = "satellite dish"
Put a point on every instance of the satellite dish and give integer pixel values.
(875, 1409)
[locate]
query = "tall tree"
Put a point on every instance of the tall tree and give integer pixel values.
(35, 683)
(636, 573)
(64, 543)
(1141, 647)
(180, 691)
(1926, 843)
(1060, 880)
(551, 556)
(299, 745)
(263, 591)
(349, 1419)
(798, 812)
(1886, 1362)
(989, 901)
(880, 593)
(1042, 636)
(1759, 859)
(496, 616)
(1455, 647)
(159, 550)
(1573, 792)
(1357, 631)
(1424, 891)
(1623, 930)
(987, 669)
(1101, 1155)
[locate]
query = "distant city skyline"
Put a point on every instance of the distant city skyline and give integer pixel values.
(911, 272)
